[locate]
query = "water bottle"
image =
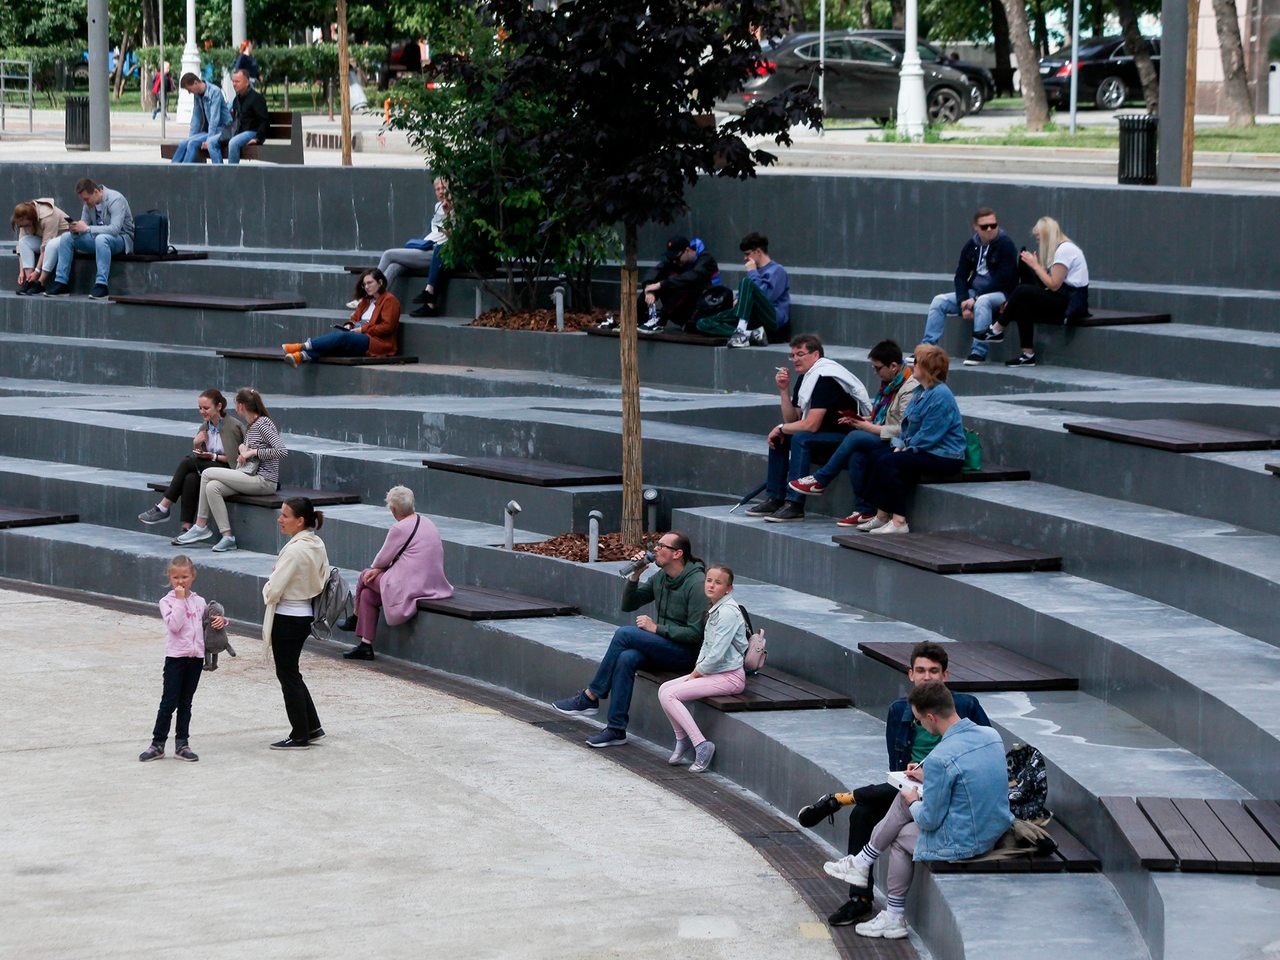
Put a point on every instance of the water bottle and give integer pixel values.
(635, 565)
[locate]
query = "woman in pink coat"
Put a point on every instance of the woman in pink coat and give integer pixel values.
(408, 568)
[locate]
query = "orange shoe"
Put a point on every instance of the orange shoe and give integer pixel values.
(294, 358)
(291, 347)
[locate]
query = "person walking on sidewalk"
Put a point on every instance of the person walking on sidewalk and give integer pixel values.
(301, 571)
(718, 672)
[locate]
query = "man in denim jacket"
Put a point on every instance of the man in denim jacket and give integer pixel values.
(960, 810)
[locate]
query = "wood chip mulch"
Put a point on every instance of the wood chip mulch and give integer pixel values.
(542, 321)
(573, 546)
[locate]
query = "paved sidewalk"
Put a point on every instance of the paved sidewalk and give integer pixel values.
(424, 826)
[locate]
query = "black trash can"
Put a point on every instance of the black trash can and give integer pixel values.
(77, 136)
(1138, 148)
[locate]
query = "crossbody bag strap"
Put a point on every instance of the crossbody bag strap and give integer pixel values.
(417, 521)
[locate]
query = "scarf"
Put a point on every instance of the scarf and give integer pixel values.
(887, 392)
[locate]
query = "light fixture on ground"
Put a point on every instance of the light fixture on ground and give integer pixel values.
(593, 535)
(912, 112)
(651, 502)
(509, 523)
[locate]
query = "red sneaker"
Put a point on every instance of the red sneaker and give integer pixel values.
(808, 486)
(854, 520)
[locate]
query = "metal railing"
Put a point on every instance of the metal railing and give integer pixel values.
(12, 79)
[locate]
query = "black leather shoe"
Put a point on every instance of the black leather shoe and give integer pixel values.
(347, 624)
(428, 309)
(853, 911)
(789, 512)
(363, 651)
(765, 508)
(821, 809)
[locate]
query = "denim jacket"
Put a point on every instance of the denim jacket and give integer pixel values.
(900, 731)
(209, 113)
(965, 807)
(932, 423)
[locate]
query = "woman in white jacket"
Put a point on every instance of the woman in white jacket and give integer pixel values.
(300, 573)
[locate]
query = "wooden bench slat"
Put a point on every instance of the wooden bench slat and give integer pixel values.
(1229, 855)
(1076, 857)
(1186, 845)
(950, 552)
(1266, 813)
(832, 698)
(538, 473)
(1273, 468)
(770, 689)
(1149, 847)
(277, 356)
(1177, 436)
(1111, 318)
(203, 301)
(975, 666)
(990, 473)
(11, 517)
(180, 255)
(1262, 850)
(481, 603)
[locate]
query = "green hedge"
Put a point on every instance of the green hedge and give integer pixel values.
(308, 63)
(44, 60)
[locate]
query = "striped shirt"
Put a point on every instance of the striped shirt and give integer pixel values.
(263, 437)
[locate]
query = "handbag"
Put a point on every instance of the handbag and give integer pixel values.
(972, 450)
(755, 655)
(250, 467)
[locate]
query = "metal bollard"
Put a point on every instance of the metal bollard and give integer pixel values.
(479, 304)
(593, 535)
(651, 501)
(558, 294)
(509, 523)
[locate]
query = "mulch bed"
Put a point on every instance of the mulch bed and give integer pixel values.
(542, 321)
(573, 546)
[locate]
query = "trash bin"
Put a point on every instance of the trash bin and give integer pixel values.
(77, 135)
(1273, 90)
(1138, 148)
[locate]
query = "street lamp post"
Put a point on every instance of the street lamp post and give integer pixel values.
(190, 64)
(912, 113)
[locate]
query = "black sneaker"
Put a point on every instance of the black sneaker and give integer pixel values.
(24, 288)
(423, 297)
(428, 309)
(579, 705)
(789, 512)
(100, 292)
(35, 288)
(989, 336)
(608, 737)
(975, 359)
(183, 752)
(822, 809)
(317, 734)
(765, 509)
(58, 290)
(1022, 360)
(361, 651)
(288, 743)
(153, 752)
(853, 911)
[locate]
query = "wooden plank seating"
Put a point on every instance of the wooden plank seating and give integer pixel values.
(978, 666)
(251, 353)
(11, 517)
(1071, 856)
(284, 142)
(990, 473)
(171, 256)
(770, 689)
(1112, 318)
(1195, 835)
(481, 603)
(695, 339)
(950, 552)
(1274, 468)
(537, 473)
(204, 301)
(321, 498)
(1178, 436)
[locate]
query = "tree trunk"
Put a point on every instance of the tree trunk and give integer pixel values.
(1098, 15)
(1037, 106)
(344, 84)
(1189, 100)
(1042, 32)
(1235, 79)
(632, 474)
(150, 23)
(898, 10)
(1138, 47)
(1003, 51)
(868, 21)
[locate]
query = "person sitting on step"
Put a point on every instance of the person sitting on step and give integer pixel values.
(1058, 294)
(931, 442)
(959, 810)
(209, 115)
(896, 388)
(678, 281)
(718, 672)
(105, 229)
(761, 312)
(39, 223)
(813, 403)
(372, 331)
(908, 743)
(669, 643)
(423, 253)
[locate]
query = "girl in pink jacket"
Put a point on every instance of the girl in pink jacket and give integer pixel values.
(183, 612)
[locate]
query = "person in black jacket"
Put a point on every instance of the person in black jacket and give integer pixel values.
(985, 278)
(249, 121)
(685, 271)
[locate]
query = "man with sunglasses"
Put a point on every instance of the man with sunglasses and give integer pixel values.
(985, 278)
(671, 642)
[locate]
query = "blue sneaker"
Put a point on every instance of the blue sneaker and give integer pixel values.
(579, 705)
(608, 737)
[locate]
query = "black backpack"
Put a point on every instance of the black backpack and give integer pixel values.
(151, 233)
(1028, 783)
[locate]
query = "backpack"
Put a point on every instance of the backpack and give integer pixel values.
(1028, 783)
(330, 605)
(715, 299)
(151, 233)
(755, 655)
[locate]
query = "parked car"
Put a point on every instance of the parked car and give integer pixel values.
(861, 78)
(980, 80)
(1108, 75)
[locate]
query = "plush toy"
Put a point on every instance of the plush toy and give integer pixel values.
(215, 641)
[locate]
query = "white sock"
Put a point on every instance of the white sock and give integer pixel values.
(162, 508)
(742, 326)
(867, 857)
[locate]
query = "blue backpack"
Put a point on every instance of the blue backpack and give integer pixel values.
(151, 233)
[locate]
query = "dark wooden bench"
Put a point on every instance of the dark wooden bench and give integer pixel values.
(321, 498)
(481, 603)
(250, 353)
(770, 689)
(538, 473)
(950, 552)
(1195, 835)
(11, 517)
(1070, 856)
(1112, 318)
(1178, 436)
(990, 473)
(695, 339)
(204, 301)
(171, 256)
(977, 666)
(284, 143)
(1274, 468)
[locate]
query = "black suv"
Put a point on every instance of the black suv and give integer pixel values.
(980, 79)
(1108, 75)
(861, 78)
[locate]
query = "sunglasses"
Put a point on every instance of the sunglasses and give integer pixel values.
(987, 226)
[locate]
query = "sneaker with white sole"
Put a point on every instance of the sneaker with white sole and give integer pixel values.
(579, 705)
(225, 544)
(759, 338)
(849, 870)
(886, 925)
(702, 756)
(855, 519)
(352, 304)
(677, 753)
(194, 535)
(974, 360)
(1022, 360)
(873, 524)
(154, 515)
(809, 486)
(890, 527)
(740, 340)
(608, 737)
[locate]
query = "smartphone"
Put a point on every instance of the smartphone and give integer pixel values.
(68, 219)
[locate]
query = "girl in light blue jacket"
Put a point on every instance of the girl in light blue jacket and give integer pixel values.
(718, 672)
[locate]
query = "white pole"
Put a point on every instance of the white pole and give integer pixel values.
(190, 64)
(164, 81)
(99, 77)
(822, 61)
(912, 112)
(1075, 60)
(238, 28)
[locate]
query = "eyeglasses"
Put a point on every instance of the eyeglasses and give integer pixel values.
(663, 546)
(987, 226)
(802, 353)
(877, 367)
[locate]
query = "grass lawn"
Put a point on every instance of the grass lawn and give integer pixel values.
(1259, 139)
(300, 98)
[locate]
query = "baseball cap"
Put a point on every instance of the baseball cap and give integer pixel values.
(676, 246)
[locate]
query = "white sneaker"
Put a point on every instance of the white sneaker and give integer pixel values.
(352, 304)
(193, 535)
(849, 870)
(887, 925)
(225, 544)
(891, 527)
(759, 338)
(874, 523)
(740, 340)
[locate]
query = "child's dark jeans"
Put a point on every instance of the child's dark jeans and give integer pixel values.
(181, 677)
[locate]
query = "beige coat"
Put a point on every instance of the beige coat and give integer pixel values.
(52, 222)
(892, 426)
(301, 571)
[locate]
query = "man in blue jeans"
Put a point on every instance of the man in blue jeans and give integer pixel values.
(672, 642)
(209, 114)
(250, 122)
(985, 278)
(105, 228)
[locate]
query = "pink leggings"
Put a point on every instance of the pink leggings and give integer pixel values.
(673, 693)
(368, 603)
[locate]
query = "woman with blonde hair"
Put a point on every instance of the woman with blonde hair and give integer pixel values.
(1058, 293)
(37, 223)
